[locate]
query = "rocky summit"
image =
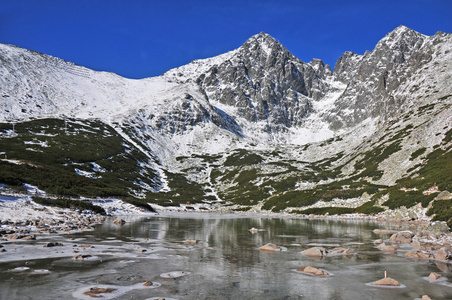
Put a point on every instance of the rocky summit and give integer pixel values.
(254, 129)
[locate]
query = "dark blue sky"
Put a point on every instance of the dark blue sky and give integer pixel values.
(138, 38)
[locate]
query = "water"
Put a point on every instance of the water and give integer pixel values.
(225, 263)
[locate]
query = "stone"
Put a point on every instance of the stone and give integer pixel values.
(2, 250)
(86, 246)
(341, 250)
(315, 251)
(443, 254)
(444, 195)
(95, 292)
(270, 247)
(313, 270)
(403, 237)
(191, 241)
(434, 275)
(119, 222)
(388, 281)
(141, 250)
(254, 230)
(384, 231)
(81, 256)
(12, 237)
(148, 283)
(53, 244)
(29, 237)
(378, 241)
(426, 297)
(417, 254)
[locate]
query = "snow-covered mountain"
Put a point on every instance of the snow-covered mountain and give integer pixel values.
(259, 99)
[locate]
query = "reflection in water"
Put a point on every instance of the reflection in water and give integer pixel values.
(225, 262)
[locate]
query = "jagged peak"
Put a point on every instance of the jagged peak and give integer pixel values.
(400, 34)
(263, 41)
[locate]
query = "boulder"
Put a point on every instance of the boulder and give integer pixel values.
(148, 283)
(403, 237)
(426, 297)
(313, 270)
(443, 254)
(53, 244)
(191, 241)
(95, 292)
(270, 247)
(81, 256)
(444, 195)
(254, 230)
(119, 222)
(29, 237)
(388, 281)
(384, 231)
(418, 254)
(341, 250)
(434, 275)
(12, 237)
(315, 251)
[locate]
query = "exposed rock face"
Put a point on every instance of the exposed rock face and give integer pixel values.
(394, 59)
(264, 81)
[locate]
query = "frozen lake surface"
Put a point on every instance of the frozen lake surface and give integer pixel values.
(213, 256)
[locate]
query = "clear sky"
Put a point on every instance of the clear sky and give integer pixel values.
(143, 38)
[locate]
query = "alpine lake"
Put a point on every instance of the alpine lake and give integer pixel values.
(215, 256)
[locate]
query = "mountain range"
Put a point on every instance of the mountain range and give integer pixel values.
(252, 129)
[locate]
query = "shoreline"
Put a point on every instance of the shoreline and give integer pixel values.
(20, 212)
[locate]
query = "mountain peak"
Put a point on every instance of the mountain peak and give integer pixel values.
(262, 41)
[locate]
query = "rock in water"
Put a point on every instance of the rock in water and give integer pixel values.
(403, 237)
(270, 247)
(341, 250)
(417, 254)
(315, 251)
(313, 270)
(119, 222)
(388, 281)
(95, 292)
(434, 276)
(426, 297)
(443, 254)
(254, 230)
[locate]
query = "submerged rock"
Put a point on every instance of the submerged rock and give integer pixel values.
(270, 247)
(313, 270)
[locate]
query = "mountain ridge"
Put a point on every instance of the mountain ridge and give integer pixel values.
(252, 126)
